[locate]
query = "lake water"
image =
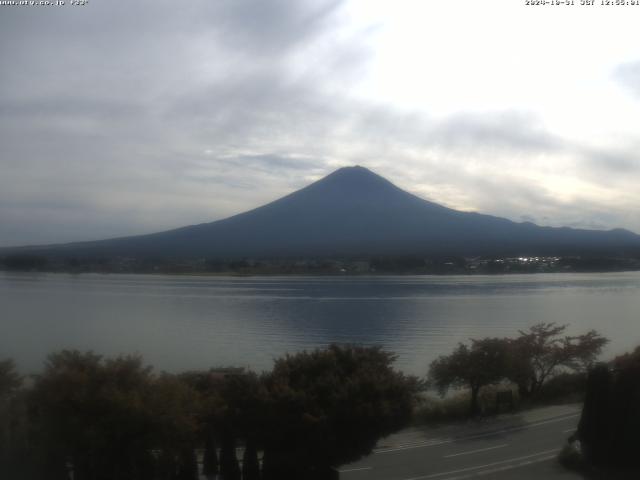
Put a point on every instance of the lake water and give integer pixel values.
(184, 322)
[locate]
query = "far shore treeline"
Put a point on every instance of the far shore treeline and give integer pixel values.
(89, 417)
(363, 265)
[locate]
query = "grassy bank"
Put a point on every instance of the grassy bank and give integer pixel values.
(454, 407)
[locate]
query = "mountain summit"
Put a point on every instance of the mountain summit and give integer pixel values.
(354, 211)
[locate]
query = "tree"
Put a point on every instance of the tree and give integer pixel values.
(25, 262)
(109, 416)
(65, 408)
(187, 464)
(610, 420)
(229, 466)
(210, 457)
(242, 418)
(173, 407)
(329, 407)
(207, 386)
(541, 352)
(10, 381)
(250, 463)
(231, 412)
(475, 366)
(594, 429)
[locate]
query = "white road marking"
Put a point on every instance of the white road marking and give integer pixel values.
(435, 443)
(354, 469)
(568, 430)
(409, 444)
(502, 469)
(478, 467)
(476, 451)
(415, 445)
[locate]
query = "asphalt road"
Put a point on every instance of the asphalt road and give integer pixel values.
(502, 451)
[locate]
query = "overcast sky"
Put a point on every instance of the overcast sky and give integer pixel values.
(124, 117)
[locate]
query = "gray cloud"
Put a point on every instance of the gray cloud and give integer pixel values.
(619, 161)
(628, 75)
(271, 27)
(141, 116)
(136, 121)
(510, 130)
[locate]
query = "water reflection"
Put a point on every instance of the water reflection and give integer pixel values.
(196, 322)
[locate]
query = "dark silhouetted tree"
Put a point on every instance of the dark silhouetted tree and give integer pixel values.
(329, 407)
(610, 420)
(210, 457)
(250, 463)
(235, 401)
(542, 351)
(173, 406)
(593, 428)
(107, 416)
(25, 262)
(187, 464)
(229, 466)
(12, 418)
(482, 363)
(10, 380)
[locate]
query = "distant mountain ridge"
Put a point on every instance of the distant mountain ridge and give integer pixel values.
(355, 212)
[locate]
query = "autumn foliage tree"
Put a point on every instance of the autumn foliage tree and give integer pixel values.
(472, 366)
(544, 350)
(528, 360)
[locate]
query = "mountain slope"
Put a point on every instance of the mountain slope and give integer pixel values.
(353, 211)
